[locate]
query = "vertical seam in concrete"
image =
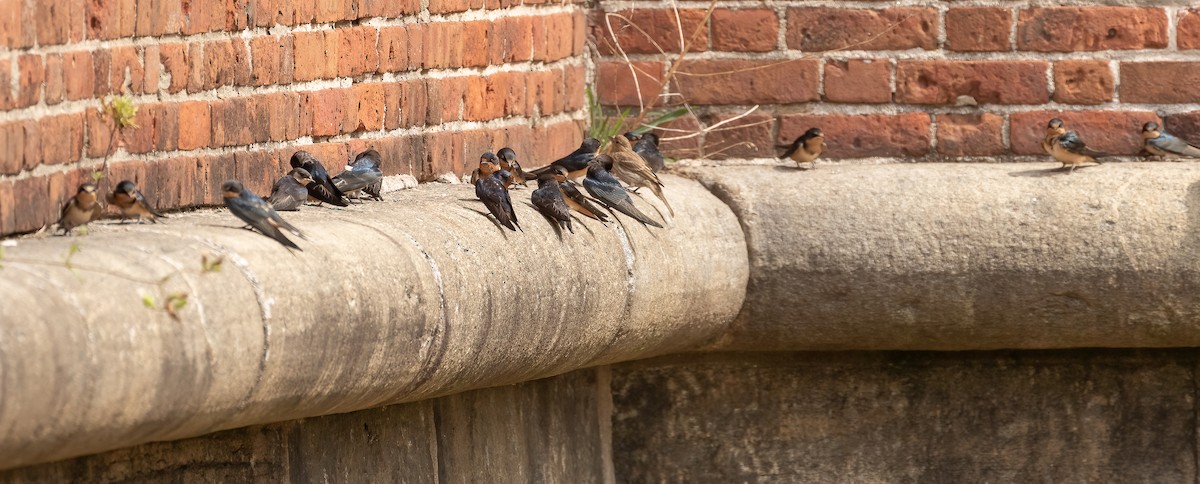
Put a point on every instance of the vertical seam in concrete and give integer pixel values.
(604, 413)
(430, 363)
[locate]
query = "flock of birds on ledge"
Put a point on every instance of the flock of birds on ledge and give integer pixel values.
(630, 158)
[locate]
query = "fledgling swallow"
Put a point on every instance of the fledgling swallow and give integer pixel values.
(605, 188)
(508, 162)
(806, 148)
(1162, 144)
(322, 188)
(630, 168)
(130, 201)
(80, 209)
(575, 199)
(548, 199)
(647, 146)
(576, 163)
(490, 190)
(289, 191)
(1071, 151)
(1054, 129)
(257, 213)
(364, 174)
(488, 164)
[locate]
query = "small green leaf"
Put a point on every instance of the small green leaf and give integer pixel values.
(123, 111)
(148, 301)
(97, 176)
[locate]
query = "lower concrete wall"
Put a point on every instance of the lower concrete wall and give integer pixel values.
(1064, 416)
(548, 430)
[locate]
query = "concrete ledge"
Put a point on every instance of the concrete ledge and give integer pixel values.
(965, 257)
(397, 301)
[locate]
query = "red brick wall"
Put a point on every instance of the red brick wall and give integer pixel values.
(232, 90)
(887, 81)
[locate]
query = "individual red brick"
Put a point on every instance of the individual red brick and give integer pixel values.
(453, 6)
(158, 129)
(65, 133)
(59, 22)
(78, 75)
(162, 17)
(1091, 28)
(748, 137)
(265, 13)
(283, 121)
(482, 102)
(444, 154)
(976, 134)
(100, 133)
(329, 107)
(6, 93)
(987, 82)
(198, 18)
(574, 78)
(476, 54)
(738, 81)
(579, 31)
(32, 154)
(827, 28)
(11, 26)
(32, 79)
(266, 53)
(849, 136)
(152, 69)
(448, 52)
(37, 209)
(511, 40)
(370, 106)
(309, 51)
(1187, 30)
(195, 125)
(174, 59)
(615, 83)
(1160, 82)
(978, 29)
(126, 73)
(858, 81)
(649, 31)
(257, 170)
(55, 84)
(174, 183)
(1115, 132)
(350, 109)
(745, 30)
(446, 98)
(544, 92)
(7, 208)
(1185, 125)
(415, 43)
(393, 49)
(357, 52)
(405, 104)
(104, 19)
(12, 148)
(560, 37)
(233, 121)
(1082, 82)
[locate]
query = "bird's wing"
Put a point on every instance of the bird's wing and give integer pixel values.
(348, 181)
(145, 204)
(287, 196)
(322, 192)
(1175, 145)
(1076, 145)
(493, 197)
(550, 202)
(616, 197)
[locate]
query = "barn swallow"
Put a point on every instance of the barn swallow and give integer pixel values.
(289, 192)
(488, 164)
(548, 199)
(647, 146)
(1071, 151)
(364, 174)
(322, 188)
(632, 169)
(131, 202)
(508, 162)
(490, 190)
(806, 148)
(1054, 129)
(576, 199)
(1162, 144)
(605, 188)
(257, 213)
(80, 209)
(576, 163)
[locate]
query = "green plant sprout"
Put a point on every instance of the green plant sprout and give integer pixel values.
(603, 127)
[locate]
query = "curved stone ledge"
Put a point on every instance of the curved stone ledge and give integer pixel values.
(394, 301)
(966, 257)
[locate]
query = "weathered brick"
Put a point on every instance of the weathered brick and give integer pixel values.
(303, 11)
(1083, 82)
(976, 134)
(744, 30)
(475, 54)
(195, 125)
(12, 149)
(748, 137)
(447, 48)
(158, 129)
(444, 154)
(31, 195)
(357, 52)
(218, 63)
(574, 78)
(309, 56)
(7, 209)
(257, 170)
(1160, 82)
(453, 6)
(827, 28)
(59, 22)
(978, 29)
(544, 92)
(65, 135)
(370, 106)
(100, 133)
(349, 110)
(328, 106)
(737, 81)
(1073, 29)
(125, 73)
(579, 32)
(481, 101)
(511, 40)
(850, 136)
(198, 18)
(858, 81)
(283, 120)
(266, 53)
(1115, 132)
(32, 79)
(234, 121)
(650, 31)
(78, 75)
(987, 82)
(6, 94)
(151, 68)
(174, 59)
(1187, 30)
(31, 156)
(162, 17)
(413, 102)
(108, 19)
(560, 38)
(55, 84)
(615, 83)
(446, 98)
(394, 49)
(11, 26)
(1184, 125)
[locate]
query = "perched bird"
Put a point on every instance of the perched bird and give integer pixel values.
(255, 211)
(806, 148)
(576, 200)
(364, 174)
(1162, 144)
(576, 163)
(508, 162)
(132, 203)
(322, 188)
(289, 192)
(605, 188)
(647, 146)
(1054, 129)
(490, 190)
(1071, 151)
(632, 169)
(80, 209)
(548, 199)
(487, 165)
